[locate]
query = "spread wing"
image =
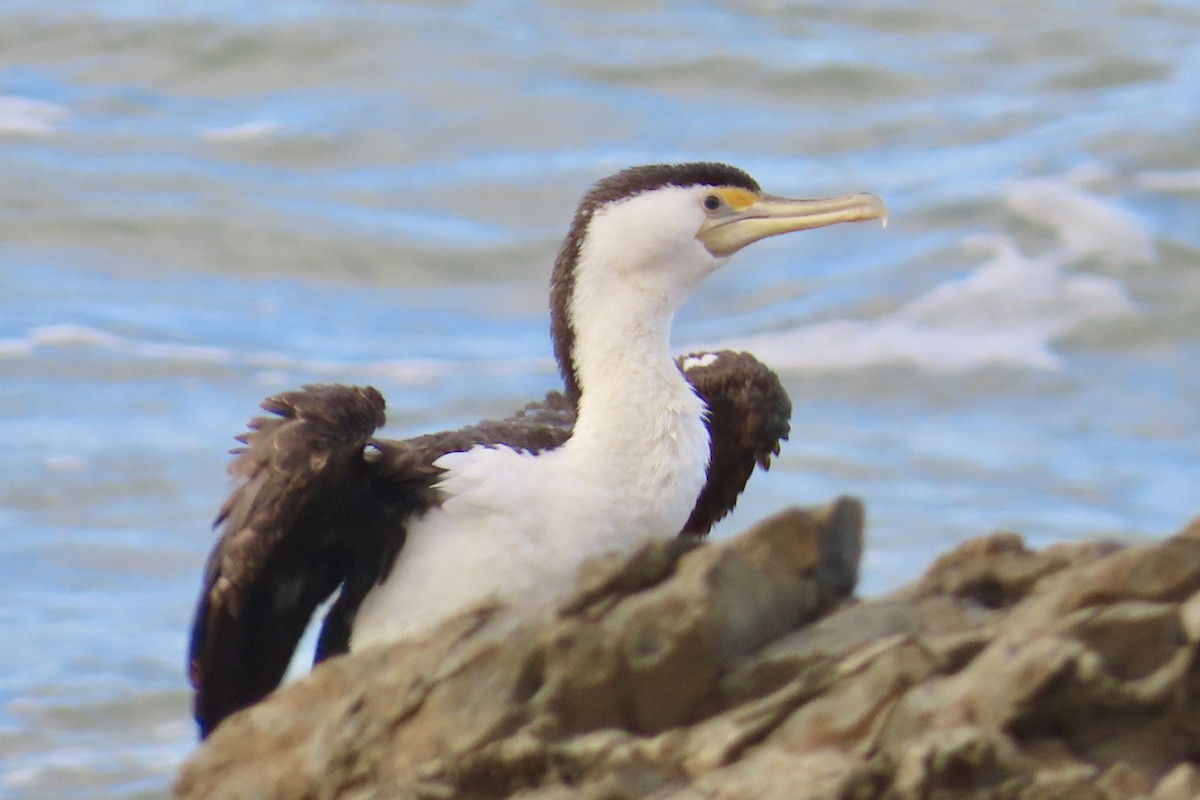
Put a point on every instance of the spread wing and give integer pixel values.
(320, 505)
(284, 545)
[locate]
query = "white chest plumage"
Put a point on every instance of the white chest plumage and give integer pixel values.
(517, 526)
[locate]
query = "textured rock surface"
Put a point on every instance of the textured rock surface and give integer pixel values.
(741, 669)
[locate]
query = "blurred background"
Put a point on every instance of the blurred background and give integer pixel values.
(204, 203)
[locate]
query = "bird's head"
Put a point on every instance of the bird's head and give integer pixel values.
(654, 232)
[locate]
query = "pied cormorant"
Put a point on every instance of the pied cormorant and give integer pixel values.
(638, 445)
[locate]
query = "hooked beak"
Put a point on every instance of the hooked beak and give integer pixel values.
(771, 216)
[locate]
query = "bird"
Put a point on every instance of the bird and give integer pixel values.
(638, 445)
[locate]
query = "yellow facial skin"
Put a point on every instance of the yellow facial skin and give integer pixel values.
(738, 217)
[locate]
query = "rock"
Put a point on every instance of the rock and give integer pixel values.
(1181, 783)
(955, 762)
(745, 669)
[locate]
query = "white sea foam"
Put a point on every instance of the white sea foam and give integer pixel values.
(1088, 225)
(75, 335)
(272, 367)
(1008, 311)
(247, 131)
(69, 333)
(29, 117)
(1014, 292)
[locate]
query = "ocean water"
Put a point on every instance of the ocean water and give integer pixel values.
(204, 203)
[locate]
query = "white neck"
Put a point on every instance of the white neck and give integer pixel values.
(640, 431)
(640, 436)
(626, 374)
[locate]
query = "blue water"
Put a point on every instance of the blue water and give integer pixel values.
(202, 204)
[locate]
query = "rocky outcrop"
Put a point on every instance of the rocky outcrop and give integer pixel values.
(742, 669)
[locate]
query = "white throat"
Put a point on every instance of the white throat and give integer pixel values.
(640, 427)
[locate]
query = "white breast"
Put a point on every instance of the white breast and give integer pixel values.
(517, 526)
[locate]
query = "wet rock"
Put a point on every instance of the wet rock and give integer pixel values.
(745, 669)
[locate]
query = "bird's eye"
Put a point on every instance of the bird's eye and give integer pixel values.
(712, 202)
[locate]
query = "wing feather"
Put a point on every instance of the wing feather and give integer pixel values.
(749, 415)
(284, 546)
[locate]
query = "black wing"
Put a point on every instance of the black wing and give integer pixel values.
(319, 505)
(749, 415)
(283, 548)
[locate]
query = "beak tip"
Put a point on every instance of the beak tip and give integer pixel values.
(879, 209)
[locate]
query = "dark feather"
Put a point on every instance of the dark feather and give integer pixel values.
(749, 415)
(293, 530)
